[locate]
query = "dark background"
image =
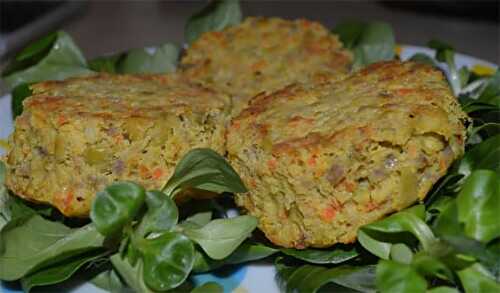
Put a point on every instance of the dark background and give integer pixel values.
(101, 27)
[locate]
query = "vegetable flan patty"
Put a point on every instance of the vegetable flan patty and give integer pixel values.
(264, 55)
(322, 160)
(79, 135)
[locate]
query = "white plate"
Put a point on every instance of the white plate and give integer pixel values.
(257, 277)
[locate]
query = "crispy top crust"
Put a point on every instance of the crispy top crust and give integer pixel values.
(265, 54)
(406, 98)
(121, 96)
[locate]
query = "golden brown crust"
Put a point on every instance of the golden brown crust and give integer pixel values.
(322, 160)
(78, 135)
(264, 55)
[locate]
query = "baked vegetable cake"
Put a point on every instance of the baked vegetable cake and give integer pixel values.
(322, 160)
(77, 136)
(264, 55)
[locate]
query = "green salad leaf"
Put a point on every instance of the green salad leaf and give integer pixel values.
(162, 214)
(116, 206)
(54, 57)
(208, 287)
(110, 281)
(108, 64)
(478, 204)
(59, 272)
(443, 289)
(430, 266)
(379, 237)
(485, 155)
(476, 279)
(323, 256)
(369, 41)
(131, 274)
(216, 16)
(423, 58)
(220, 237)
(4, 199)
(311, 278)
(204, 169)
(160, 59)
(446, 54)
(19, 94)
(491, 91)
(396, 277)
(195, 221)
(244, 253)
(168, 260)
(38, 243)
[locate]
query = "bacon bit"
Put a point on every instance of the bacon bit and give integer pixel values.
(299, 119)
(306, 23)
(217, 35)
(262, 128)
(236, 125)
(329, 213)
(367, 131)
(258, 65)
(272, 164)
(253, 183)
(144, 171)
(412, 150)
(316, 48)
(62, 120)
(404, 92)
(157, 173)
(371, 206)
(118, 138)
(68, 199)
(442, 165)
(312, 161)
(349, 185)
(283, 215)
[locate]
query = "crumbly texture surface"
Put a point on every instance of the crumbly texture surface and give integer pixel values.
(77, 136)
(264, 55)
(322, 160)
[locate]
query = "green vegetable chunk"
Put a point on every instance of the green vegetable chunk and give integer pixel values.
(168, 260)
(116, 206)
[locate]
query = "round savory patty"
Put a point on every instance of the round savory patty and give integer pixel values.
(322, 160)
(264, 55)
(79, 135)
